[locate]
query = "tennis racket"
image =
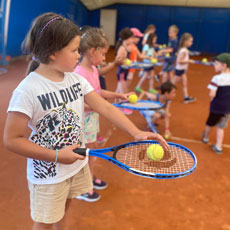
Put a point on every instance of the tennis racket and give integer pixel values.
(140, 65)
(139, 105)
(177, 162)
(204, 63)
(194, 53)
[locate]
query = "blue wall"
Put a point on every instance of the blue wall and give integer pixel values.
(24, 11)
(210, 27)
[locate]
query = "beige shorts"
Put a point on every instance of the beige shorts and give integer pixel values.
(47, 202)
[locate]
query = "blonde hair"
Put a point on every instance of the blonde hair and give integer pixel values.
(183, 39)
(174, 28)
(93, 38)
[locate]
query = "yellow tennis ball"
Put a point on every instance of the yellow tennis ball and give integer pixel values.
(133, 98)
(204, 60)
(128, 61)
(155, 152)
(154, 60)
(166, 137)
(167, 55)
(160, 47)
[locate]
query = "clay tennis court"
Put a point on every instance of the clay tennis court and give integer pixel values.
(199, 201)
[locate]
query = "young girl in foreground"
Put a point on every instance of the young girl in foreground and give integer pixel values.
(50, 100)
(93, 48)
(182, 63)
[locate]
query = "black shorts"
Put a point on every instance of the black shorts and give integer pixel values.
(179, 73)
(214, 118)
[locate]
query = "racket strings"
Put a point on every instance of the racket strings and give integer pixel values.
(176, 160)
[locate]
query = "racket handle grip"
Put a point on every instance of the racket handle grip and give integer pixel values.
(81, 151)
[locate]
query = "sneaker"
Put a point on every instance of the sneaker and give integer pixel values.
(90, 196)
(157, 77)
(215, 149)
(127, 111)
(153, 91)
(99, 184)
(139, 90)
(189, 100)
(100, 140)
(204, 139)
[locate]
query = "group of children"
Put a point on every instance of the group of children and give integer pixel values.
(61, 107)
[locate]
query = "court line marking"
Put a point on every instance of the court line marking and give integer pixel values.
(193, 141)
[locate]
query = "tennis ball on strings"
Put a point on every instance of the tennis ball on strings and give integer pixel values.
(133, 98)
(154, 60)
(155, 152)
(167, 55)
(128, 61)
(204, 60)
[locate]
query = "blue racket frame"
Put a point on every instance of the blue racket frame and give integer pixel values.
(205, 63)
(133, 107)
(140, 65)
(100, 153)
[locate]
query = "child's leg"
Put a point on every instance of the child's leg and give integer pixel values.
(142, 80)
(184, 85)
(207, 132)
(219, 137)
(151, 79)
(176, 80)
(164, 77)
(130, 77)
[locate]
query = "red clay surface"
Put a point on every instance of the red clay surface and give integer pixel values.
(199, 201)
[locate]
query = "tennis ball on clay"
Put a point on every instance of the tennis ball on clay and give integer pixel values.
(167, 55)
(155, 152)
(154, 60)
(204, 60)
(133, 98)
(128, 61)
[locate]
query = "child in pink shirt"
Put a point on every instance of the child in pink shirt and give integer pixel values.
(93, 48)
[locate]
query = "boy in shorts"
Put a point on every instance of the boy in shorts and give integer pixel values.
(220, 102)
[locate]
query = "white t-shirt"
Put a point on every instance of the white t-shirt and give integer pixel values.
(56, 118)
(222, 79)
(182, 51)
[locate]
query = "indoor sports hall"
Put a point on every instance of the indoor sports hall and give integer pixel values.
(198, 201)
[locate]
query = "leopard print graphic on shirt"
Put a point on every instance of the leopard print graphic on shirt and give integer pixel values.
(57, 129)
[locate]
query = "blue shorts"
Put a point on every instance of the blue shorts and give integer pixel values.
(168, 67)
(148, 69)
(180, 72)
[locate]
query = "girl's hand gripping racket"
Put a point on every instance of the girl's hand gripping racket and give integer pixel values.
(139, 105)
(177, 162)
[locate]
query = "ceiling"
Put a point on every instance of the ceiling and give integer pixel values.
(96, 4)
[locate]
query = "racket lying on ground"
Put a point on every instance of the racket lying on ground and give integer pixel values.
(140, 65)
(177, 162)
(139, 105)
(204, 63)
